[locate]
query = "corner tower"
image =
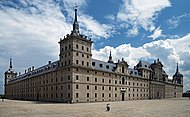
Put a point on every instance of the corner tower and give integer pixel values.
(75, 58)
(9, 74)
(75, 49)
(177, 77)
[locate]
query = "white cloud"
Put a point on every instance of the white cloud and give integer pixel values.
(30, 30)
(141, 14)
(175, 20)
(170, 52)
(157, 33)
(94, 28)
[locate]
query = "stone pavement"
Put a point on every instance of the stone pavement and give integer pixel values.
(136, 108)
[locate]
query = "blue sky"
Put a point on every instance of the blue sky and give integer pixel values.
(132, 29)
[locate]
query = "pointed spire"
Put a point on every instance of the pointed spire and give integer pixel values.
(110, 58)
(10, 66)
(110, 54)
(177, 69)
(75, 25)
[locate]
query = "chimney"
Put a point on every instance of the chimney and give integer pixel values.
(49, 62)
(32, 68)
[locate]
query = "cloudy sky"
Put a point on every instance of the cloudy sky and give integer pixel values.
(132, 29)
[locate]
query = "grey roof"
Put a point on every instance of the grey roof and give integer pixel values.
(46, 68)
(143, 64)
(103, 66)
(134, 72)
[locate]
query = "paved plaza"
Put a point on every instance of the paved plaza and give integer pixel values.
(136, 108)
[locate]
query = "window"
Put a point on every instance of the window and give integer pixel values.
(87, 78)
(87, 63)
(110, 88)
(65, 48)
(56, 88)
(95, 87)
(77, 61)
(77, 95)
(109, 81)
(87, 49)
(87, 95)
(69, 77)
(93, 63)
(69, 46)
(69, 62)
(102, 87)
(77, 86)
(56, 79)
(116, 88)
(102, 80)
(87, 86)
(77, 46)
(61, 95)
(87, 56)
(109, 94)
(95, 79)
(82, 55)
(68, 86)
(77, 54)
(68, 95)
(115, 81)
(123, 69)
(101, 65)
(77, 77)
(65, 62)
(82, 47)
(102, 94)
(82, 62)
(115, 95)
(95, 95)
(123, 80)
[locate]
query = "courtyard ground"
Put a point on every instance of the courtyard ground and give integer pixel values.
(179, 107)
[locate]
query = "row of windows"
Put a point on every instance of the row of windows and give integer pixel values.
(95, 88)
(77, 47)
(44, 95)
(109, 95)
(82, 62)
(138, 84)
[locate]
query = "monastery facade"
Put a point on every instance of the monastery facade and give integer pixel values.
(77, 77)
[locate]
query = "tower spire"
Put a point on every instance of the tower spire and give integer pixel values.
(75, 25)
(10, 66)
(177, 69)
(110, 58)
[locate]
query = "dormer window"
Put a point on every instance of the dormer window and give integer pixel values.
(145, 65)
(93, 63)
(123, 69)
(107, 66)
(101, 65)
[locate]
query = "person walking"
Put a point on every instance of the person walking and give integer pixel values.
(108, 107)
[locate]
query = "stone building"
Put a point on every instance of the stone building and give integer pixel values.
(77, 77)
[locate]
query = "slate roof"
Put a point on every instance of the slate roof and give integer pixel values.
(103, 66)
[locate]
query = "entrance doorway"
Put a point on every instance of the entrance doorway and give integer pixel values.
(158, 95)
(123, 96)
